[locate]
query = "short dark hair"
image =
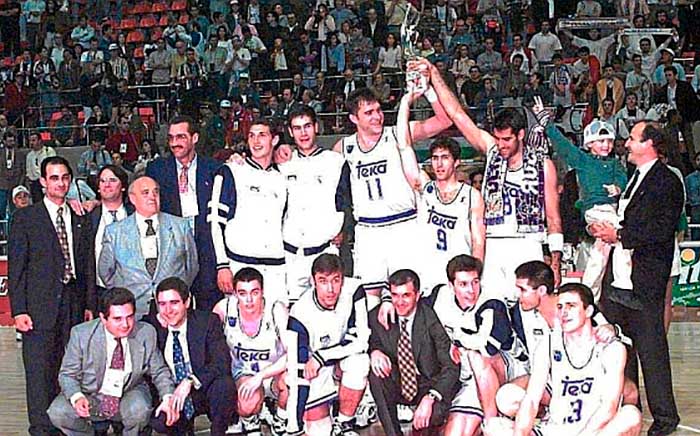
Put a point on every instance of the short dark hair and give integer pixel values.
(361, 95)
(301, 110)
(537, 274)
(583, 50)
(583, 291)
(510, 118)
(115, 297)
(670, 69)
(247, 274)
(191, 125)
(653, 131)
(404, 276)
(475, 173)
(55, 160)
(261, 121)
(327, 263)
(174, 284)
(119, 173)
(449, 144)
(463, 263)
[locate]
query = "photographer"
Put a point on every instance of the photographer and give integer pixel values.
(320, 24)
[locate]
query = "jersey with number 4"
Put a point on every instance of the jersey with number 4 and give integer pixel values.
(576, 390)
(250, 354)
(380, 193)
(445, 226)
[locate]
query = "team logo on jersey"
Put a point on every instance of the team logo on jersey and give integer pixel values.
(575, 387)
(250, 354)
(325, 341)
(292, 177)
(255, 188)
(557, 355)
(371, 169)
(232, 321)
(430, 189)
(441, 220)
(348, 148)
(538, 332)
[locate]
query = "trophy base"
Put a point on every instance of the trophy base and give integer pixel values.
(416, 82)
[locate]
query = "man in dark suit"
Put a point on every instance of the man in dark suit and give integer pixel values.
(682, 96)
(185, 180)
(51, 277)
(649, 210)
(374, 28)
(410, 362)
(195, 350)
(98, 383)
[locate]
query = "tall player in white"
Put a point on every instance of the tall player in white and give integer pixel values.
(253, 326)
(383, 202)
(318, 190)
(586, 378)
(450, 213)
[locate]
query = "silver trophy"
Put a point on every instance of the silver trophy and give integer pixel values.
(415, 81)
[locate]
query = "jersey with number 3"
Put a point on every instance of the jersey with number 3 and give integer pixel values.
(379, 187)
(576, 390)
(445, 226)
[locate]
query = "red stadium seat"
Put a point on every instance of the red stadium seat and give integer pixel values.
(184, 19)
(81, 117)
(179, 5)
(139, 53)
(128, 24)
(163, 21)
(147, 22)
(134, 37)
(141, 8)
(159, 7)
(8, 62)
(45, 136)
(55, 117)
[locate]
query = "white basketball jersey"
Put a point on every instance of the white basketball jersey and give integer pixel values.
(380, 193)
(576, 391)
(250, 354)
(445, 226)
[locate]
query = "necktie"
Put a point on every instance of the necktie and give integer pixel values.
(630, 186)
(65, 248)
(407, 366)
(114, 215)
(182, 180)
(94, 157)
(151, 262)
(109, 404)
(181, 371)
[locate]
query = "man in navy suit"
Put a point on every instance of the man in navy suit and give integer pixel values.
(185, 180)
(51, 285)
(195, 350)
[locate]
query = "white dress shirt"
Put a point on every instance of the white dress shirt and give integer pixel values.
(53, 213)
(168, 351)
(149, 244)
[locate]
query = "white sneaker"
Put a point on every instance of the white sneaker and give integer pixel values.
(251, 426)
(236, 428)
(405, 413)
(366, 414)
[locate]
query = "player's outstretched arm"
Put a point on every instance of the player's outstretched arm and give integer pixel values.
(525, 419)
(478, 138)
(554, 227)
(409, 162)
(478, 228)
(614, 358)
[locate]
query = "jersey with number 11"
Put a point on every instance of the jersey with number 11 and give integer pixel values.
(379, 188)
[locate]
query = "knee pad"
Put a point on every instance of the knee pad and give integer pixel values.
(355, 369)
(508, 398)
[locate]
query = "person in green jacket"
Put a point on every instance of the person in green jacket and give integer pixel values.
(601, 178)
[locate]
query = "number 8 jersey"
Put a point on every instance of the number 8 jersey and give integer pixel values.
(380, 193)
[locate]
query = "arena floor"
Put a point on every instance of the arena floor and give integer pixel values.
(685, 357)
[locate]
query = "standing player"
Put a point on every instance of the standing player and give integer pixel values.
(586, 378)
(245, 212)
(450, 213)
(328, 331)
(520, 191)
(253, 328)
(383, 202)
(317, 196)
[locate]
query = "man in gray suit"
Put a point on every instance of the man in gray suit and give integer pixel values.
(103, 369)
(147, 247)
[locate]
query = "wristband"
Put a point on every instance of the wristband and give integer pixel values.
(430, 95)
(556, 242)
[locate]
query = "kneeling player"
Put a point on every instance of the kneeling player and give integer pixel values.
(253, 328)
(328, 332)
(586, 377)
(481, 336)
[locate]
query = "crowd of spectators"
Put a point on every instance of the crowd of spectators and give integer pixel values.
(81, 62)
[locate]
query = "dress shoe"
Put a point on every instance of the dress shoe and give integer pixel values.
(661, 429)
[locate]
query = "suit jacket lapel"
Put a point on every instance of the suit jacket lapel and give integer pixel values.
(639, 193)
(101, 354)
(48, 224)
(137, 356)
(165, 235)
(172, 175)
(133, 241)
(417, 331)
(76, 225)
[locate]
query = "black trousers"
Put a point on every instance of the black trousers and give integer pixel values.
(42, 353)
(646, 329)
(218, 403)
(387, 395)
